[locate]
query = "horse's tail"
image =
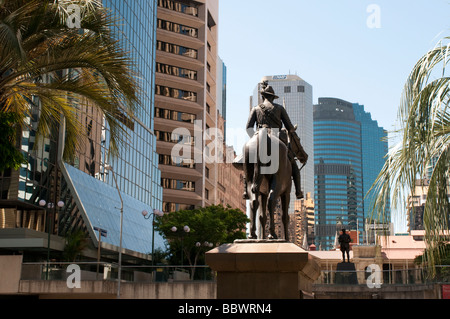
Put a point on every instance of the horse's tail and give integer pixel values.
(257, 177)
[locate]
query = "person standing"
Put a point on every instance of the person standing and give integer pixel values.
(344, 242)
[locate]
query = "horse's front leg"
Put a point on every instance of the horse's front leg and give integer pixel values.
(285, 199)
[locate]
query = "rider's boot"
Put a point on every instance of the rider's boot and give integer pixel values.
(296, 178)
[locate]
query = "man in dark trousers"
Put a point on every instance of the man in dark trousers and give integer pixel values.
(344, 241)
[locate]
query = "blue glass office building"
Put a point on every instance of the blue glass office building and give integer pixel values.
(349, 152)
(374, 147)
(136, 167)
(338, 171)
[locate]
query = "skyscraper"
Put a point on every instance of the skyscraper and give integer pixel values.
(338, 170)
(349, 154)
(87, 186)
(374, 147)
(297, 96)
(190, 98)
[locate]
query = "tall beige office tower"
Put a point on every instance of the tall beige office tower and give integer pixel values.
(188, 79)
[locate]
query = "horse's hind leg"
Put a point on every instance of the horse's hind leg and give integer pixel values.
(271, 205)
(263, 216)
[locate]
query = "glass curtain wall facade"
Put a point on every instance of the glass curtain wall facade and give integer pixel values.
(338, 171)
(222, 92)
(136, 167)
(137, 164)
(87, 188)
(374, 149)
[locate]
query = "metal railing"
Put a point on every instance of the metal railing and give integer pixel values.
(412, 276)
(109, 271)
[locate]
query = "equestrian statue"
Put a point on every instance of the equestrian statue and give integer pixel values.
(269, 164)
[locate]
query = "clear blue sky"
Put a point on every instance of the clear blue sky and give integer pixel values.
(329, 44)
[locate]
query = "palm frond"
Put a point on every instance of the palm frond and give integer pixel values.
(424, 119)
(40, 48)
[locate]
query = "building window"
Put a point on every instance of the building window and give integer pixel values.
(176, 161)
(176, 93)
(176, 71)
(179, 7)
(206, 193)
(300, 89)
(176, 49)
(287, 89)
(177, 28)
(174, 138)
(178, 184)
(207, 172)
(174, 115)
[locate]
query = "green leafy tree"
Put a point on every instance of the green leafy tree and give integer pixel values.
(47, 64)
(11, 157)
(213, 225)
(424, 134)
(442, 271)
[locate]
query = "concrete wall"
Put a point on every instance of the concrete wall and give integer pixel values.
(17, 281)
(385, 292)
(207, 290)
(10, 269)
(12, 284)
(54, 289)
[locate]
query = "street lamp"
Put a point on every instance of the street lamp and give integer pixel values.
(156, 212)
(206, 244)
(43, 203)
(186, 229)
(109, 168)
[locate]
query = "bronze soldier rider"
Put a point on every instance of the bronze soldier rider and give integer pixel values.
(272, 115)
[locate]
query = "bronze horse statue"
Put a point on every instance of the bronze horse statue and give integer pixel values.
(267, 181)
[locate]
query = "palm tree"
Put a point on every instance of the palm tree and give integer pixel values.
(46, 64)
(75, 242)
(424, 119)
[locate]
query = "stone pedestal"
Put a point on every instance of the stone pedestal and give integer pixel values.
(262, 270)
(346, 274)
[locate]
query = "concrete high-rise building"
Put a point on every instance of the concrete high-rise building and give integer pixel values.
(349, 153)
(297, 96)
(190, 99)
(87, 186)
